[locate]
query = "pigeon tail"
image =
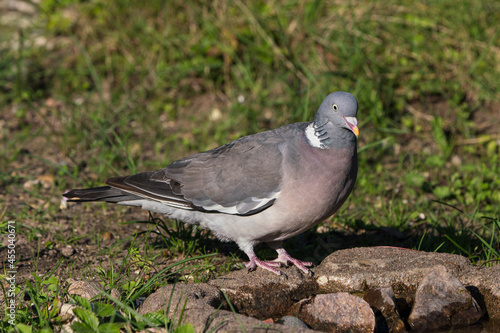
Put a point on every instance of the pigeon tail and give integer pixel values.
(103, 193)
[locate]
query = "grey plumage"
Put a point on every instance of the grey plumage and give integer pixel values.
(265, 187)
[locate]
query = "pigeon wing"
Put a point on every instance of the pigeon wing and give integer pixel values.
(242, 177)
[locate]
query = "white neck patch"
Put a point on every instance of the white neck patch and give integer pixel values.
(313, 138)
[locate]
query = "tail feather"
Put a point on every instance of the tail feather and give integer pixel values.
(103, 193)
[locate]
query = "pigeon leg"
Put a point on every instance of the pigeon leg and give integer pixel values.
(286, 259)
(267, 265)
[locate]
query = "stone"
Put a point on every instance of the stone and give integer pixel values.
(67, 251)
(291, 321)
(176, 297)
(66, 311)
(392, 274)
(204, 307)
(484, 282)
(85, 289)
(263, 294)
(206, 320)
(358, 269)
(114, 293)
(338, 312)
(442, 301)
(383, 302)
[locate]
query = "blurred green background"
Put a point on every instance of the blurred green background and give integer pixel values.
(94, 89)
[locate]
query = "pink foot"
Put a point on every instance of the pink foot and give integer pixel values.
(286, 259)
(267, 265)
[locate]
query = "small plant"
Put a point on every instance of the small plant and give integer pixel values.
(103, 317)
(44, 294)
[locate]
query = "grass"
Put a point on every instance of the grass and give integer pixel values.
(94, 89)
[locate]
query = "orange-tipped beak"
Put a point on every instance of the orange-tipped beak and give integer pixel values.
(352, 122)
(356, 130)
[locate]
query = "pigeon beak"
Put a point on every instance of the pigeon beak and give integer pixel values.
(352, 122)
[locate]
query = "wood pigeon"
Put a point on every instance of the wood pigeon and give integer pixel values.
(261, 188)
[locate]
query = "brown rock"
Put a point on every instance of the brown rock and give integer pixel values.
(66, 311)
(383, 301)
(263, 294)
(108, 237)
(67, 251)
(85, 289)
(291, 321)
(357, 270)
(114, 293)
(206, 320)
(485, 281)
(89, 290)
(203, 306)
(442, 301)
(183, 296)
(360, 269)
(339, 312)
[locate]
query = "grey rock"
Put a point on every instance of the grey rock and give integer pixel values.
(176, 297)
(265, 295)
(359, 269)
(85, 289)
(392, 274)
(204, 307)
(484, 283)
(442, 301)
(206, 320)
(291, 321)
(383, 301)
(339, 312)
(67, 251)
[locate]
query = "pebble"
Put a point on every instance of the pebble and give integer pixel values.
(442, 301)
(338, 312)
(67, 251)
(66, 311)
(383, 302)
(85, 289)
(291, 321)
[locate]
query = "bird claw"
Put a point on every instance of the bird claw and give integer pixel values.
(283, 258)
(286, 259)
(267, 265)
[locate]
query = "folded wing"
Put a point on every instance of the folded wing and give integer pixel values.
(243, 177)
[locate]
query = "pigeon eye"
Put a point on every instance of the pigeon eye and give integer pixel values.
(335, 107)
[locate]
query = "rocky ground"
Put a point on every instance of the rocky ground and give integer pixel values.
(376, 289)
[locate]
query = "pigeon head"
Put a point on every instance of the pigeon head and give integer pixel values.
(335, 121)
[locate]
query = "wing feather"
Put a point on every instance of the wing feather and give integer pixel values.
(238, 178)
(243, 177)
